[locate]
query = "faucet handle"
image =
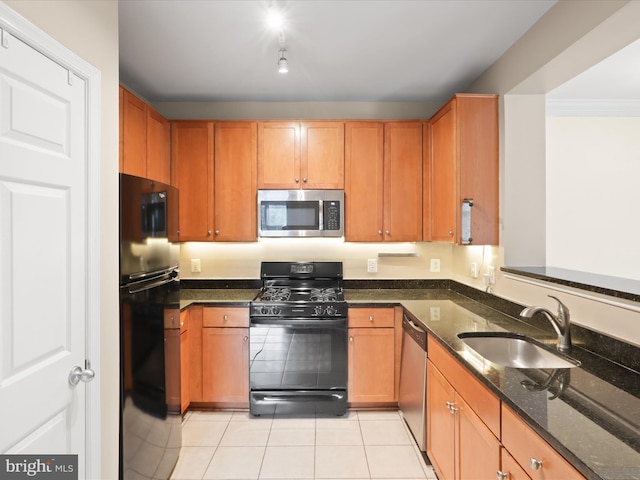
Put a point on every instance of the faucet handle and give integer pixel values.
(563, 310)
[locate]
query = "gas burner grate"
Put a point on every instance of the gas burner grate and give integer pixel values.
(323, 295)
(276, 294)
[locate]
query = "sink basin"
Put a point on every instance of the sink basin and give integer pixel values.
(515, 350)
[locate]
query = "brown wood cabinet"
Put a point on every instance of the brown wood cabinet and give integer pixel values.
(235, 181)
(145, 140)
(526, 447)
(509, 469)
(185, 364)
(364, 181)
(463, 152)
(225, 357)
(371, 356)
(460, 442)
(195, 353)
(192, 174)
(383, 181)
(293, 155)
(158, 147)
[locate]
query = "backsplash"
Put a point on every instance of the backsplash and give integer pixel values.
(242, 260)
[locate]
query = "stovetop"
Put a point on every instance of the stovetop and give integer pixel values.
(300, 289)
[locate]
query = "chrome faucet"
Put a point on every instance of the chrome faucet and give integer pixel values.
(560, 322)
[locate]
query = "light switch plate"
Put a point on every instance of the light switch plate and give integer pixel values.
(372, 265)
(195, 265)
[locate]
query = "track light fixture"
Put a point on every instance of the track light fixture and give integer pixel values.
(283, 64)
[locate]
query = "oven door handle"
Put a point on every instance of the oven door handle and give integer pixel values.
(299, 322)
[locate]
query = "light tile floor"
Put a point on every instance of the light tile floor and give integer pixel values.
(360, 445)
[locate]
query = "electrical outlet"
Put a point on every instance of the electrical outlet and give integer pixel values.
(372, 265)
(492, 275)
(435, 265)
(474, 270)
(434, 314)
(195, 265)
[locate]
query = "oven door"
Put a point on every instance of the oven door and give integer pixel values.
(298, 366)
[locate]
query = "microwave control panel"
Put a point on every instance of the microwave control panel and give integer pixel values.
(331, 215)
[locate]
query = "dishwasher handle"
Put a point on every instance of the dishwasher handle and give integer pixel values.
(418, 334)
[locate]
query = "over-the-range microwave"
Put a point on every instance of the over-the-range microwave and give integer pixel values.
(300, 213)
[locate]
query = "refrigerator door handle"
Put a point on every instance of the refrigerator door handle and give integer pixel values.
(138, 287)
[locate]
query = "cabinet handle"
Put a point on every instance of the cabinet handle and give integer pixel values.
(450, 233)
(297, 180)
(388, 232)
(304, 179)
(225, 318)
(452, 408)
(351, 339)
(182, 324)
(535, 464)
(245, 338)
(379, 232)
(217, 232)
(371, 318)
(502, 475)
(209, 232)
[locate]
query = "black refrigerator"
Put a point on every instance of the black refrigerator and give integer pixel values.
(150, 419)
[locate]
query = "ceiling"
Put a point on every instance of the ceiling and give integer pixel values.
(338, 50)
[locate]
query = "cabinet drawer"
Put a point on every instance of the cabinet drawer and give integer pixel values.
(480, 399)
(225, 317)
(524, 444)
(509, 466)
(371, 317)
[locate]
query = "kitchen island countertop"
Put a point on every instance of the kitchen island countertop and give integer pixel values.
(590, 414)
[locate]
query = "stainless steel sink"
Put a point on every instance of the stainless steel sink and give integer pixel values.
(515, 350)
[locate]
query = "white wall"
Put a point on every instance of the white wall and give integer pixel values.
(593, 167)
(90, 29)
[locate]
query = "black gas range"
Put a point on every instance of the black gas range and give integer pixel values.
(298, 340)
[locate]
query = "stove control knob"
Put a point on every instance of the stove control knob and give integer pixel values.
(317, 311)
(264, 310)
(331, 310)
(275, 311)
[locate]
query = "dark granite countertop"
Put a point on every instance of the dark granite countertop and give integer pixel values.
(590, 414)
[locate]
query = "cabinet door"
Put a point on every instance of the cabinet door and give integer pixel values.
(322, 155)
(134, 135)
(371, 362)
(403, 181)
(192, 154)
(184, 370)
(363, 175)
(158, 147)
(195, 353)
(279, 155)
(225, 369)
(235, 163)
(440, 424)
(444, 190)
(478, 450)
(510, 467)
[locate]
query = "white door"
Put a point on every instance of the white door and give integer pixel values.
(43, 253)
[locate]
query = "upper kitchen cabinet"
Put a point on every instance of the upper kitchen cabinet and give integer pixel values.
(463, 145)
(192, 174)
(383, 181)
(294, 155)
(145, 140)
(364, 181)
(235, 217)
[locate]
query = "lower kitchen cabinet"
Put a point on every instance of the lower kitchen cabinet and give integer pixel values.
(372, 356)
(510, 470)
(537, 458)
(225, 356)
(460, 443)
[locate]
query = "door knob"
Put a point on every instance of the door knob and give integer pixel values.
(78, 373)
